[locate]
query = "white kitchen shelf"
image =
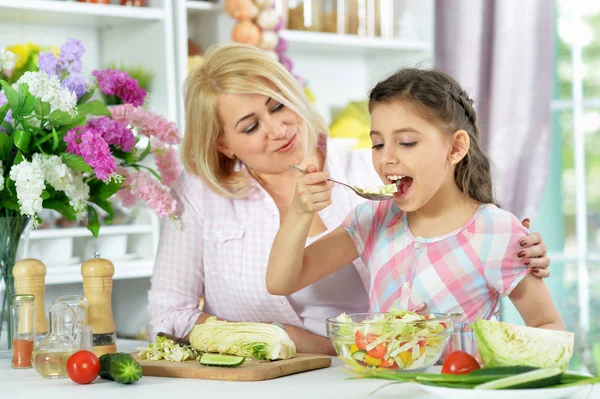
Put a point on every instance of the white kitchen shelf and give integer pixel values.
(66, 13)
(123, 270)
(84, 232)
(197, 7)
(331, 42)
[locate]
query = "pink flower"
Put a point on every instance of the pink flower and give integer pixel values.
(147, 123)
(94, 150)
(125, 195)
(156, 196)
(113, 132)
(167, 161)
(113, 82)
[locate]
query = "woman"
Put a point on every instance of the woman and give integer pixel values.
(247, 121)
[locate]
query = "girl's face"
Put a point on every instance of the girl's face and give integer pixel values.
(265, 135)
(412, 152)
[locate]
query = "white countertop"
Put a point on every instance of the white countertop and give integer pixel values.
(325, 383)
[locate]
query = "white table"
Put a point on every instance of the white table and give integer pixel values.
(325, 383)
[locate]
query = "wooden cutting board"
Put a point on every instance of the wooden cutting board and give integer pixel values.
(251, 370)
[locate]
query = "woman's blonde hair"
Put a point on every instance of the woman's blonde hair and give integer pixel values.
(234, 69)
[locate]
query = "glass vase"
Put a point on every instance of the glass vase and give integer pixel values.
(14, 230)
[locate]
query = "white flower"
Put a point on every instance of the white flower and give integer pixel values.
(29, 180)
(48, 89)
(65, 179)
(1, 177)
(8, 60)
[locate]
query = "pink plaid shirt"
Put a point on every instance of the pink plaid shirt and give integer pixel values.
(465, 271)
(222, 250)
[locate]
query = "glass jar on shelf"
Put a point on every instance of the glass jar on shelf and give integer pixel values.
(307, 15)
(372, 18)
(23, 329)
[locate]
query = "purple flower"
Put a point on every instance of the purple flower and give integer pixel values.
(94, 150)
(75, 83)
(120, 84)
(47, 63)
(113, 132)
(70, 56)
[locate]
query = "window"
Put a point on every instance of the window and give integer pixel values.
(569, 218)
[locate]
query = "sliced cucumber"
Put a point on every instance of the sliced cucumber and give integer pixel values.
(532, 379)
(359, 355)
(504, 370)
(210, 359)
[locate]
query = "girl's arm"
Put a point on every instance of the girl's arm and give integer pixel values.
(291, 267)
(534, 303)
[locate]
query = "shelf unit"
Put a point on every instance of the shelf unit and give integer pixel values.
(329, 62)
(110, 33)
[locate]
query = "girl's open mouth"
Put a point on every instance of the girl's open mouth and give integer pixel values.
(404, 183)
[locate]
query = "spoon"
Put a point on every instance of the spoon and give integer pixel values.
(359, 191)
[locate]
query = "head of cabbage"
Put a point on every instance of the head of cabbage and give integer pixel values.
(504, 344)
(255, 340)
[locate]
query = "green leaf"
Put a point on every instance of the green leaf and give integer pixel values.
(9, 129)
(149, 170)
(3, 111)
(27, 101)
(60, 118)
(5, 146)
(75, 162)
(11, 95)
(86, 96)
(103, 190)
(95, 107)
(146, 152)
(126, 156)
(42, 109)
(45, 195)
(93, 222)
(10, 204)
(22, 139)
(105, 205)
(61, 207)
(56, 140)
(18, 158)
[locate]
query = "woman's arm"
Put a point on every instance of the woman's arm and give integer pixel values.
(534, 303)
(291, 267)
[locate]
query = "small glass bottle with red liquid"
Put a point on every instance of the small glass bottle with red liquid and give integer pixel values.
(22, 313)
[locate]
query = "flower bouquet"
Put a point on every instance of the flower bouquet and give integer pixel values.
(61, 149)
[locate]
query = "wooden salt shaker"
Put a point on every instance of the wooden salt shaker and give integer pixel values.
(97, 287)
(30, 278)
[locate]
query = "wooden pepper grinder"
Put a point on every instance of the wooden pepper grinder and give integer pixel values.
(30, 278)
(97, 287)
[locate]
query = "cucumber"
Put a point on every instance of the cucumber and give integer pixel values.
(124, 368)
(359, 355)
(540, 378)
(210, 359)
(504, 370)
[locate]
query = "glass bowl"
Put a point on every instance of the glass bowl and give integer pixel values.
(386, 341)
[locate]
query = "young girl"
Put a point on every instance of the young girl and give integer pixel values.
(441, 243)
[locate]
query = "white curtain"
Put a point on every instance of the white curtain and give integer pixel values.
(502, 53)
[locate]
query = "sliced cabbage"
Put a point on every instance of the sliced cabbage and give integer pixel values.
(388, 189)
(257, 340)
(504, 344)
(167, 349)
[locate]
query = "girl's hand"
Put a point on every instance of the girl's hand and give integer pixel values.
(313, 191)
(533, 253)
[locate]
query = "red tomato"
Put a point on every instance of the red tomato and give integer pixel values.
(83, 367)
(360, 340)
(371, 337)
(388, 363)
(459, 362)
(377, 352)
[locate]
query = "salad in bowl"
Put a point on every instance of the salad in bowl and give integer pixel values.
(396, 340)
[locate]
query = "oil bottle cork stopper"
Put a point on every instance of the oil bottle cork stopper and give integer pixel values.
(29, 268)
(97, 267)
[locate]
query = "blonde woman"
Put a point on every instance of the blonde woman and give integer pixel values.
(247, 121)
